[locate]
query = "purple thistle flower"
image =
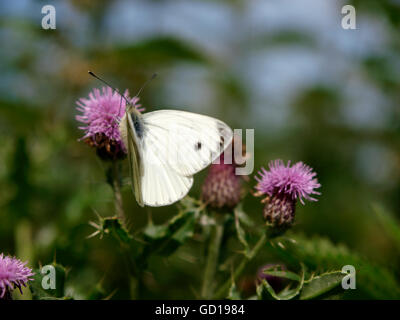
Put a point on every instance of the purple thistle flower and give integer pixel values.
(101, 114)
(296, 181)
(284, 185)
(13, 274)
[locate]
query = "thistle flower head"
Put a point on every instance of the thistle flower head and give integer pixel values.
(13, 274)
(101, 113)
(284, 185)
(296, 182)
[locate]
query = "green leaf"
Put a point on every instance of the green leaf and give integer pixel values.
(321, 284)
(266, 292)
(114, 227)
(320, 255)
(165, 239)
(283, 274)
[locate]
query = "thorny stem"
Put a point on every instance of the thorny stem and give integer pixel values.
(116, 186)
(260, 243)
(212, 258)
(135, 274)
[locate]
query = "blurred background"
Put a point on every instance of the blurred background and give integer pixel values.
(312, 91)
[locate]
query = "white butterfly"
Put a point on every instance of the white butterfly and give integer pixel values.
(166, 148)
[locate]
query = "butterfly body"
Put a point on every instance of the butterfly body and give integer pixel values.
(166, 148)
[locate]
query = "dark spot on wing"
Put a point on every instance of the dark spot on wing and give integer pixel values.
(197, 146)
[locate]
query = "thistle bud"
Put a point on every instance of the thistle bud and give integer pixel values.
(279, 211)
(222, 188)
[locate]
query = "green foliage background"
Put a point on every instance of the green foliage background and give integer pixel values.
(330, 98)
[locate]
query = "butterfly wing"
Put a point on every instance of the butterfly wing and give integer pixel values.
(172, 147)
(161, 185)
(188, 141)
(134, 156)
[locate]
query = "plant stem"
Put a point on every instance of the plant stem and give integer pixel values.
(260, 243)
(116, 186)
(135, 274)
(212, 258)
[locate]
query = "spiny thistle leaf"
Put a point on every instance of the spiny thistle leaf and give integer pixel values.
(266, 292)
(165, 239)
(321, 255)
(283, 274)
(113, 226)
(319, 285)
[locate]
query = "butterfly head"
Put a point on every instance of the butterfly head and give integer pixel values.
(132, 108)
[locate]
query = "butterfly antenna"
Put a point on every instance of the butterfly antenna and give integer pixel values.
(114, 89)
(145, 84)
(106, 83)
